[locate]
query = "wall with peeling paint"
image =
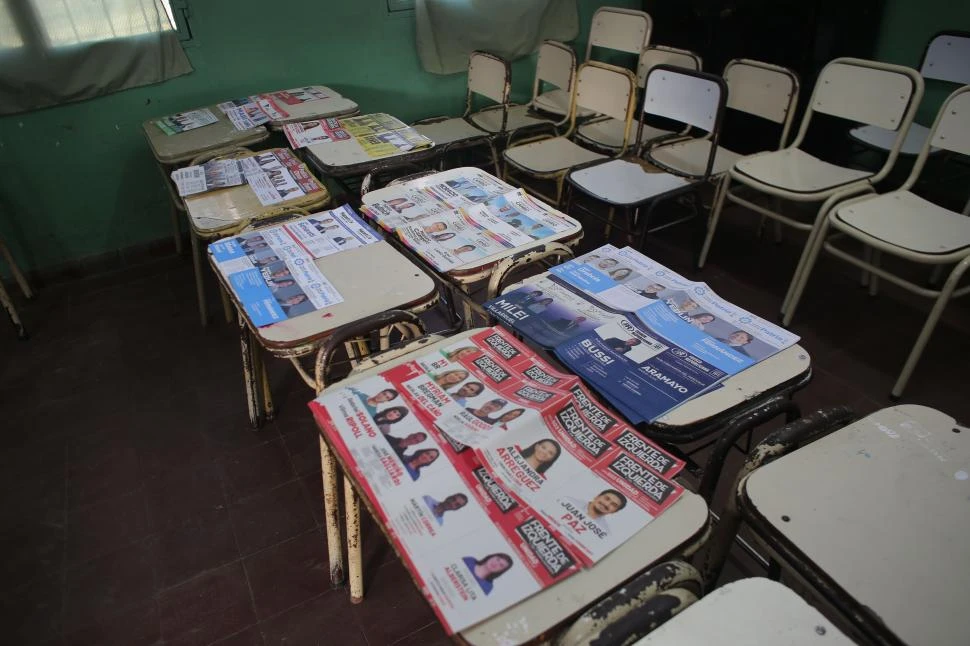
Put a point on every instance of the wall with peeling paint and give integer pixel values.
(78, 180)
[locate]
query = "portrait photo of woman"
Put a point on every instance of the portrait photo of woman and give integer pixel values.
(389, 416)
(541, 455)
(488, 569)
(450, 378)
(418, 460)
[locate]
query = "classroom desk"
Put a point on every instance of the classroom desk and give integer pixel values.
(346, 158)
(371, 279)
(172, 151)
(217, 213)
(463, 279)
(753, 612)
(874, 518)
(681, 527)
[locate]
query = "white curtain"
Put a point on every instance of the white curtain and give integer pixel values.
(447, 31)
(57, 51)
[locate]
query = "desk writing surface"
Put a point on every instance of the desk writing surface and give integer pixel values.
(529, 618)
(480, 265)
(182, 147)
(371, 279)
(334, 105)
(753, 612)
(226, 208)
(348, 157)
(883, 508)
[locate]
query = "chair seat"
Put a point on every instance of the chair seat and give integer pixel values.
(549, 155)
(882, 139)
(690, 157)
(796, 171)
(448, 131)
(491, 120)
(557, 102)
(907, 221)
(622, 182)
(608, 133)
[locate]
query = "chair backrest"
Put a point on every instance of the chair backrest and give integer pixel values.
(947, 58)
(950, 131)
(556, 65)
(687, 96)
(660, 55)
(489, 76)
(763, 90)
(872, 93)
(605, 89)
(625, 30)
(868, 92)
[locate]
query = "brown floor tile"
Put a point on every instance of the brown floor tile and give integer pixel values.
(32, 613)
(184, 494)
(431, 635)
(288, 573)
(112, 472)
(209, 607)
(303, 445)
(269, 517)
(255, 469)
(393, 606)
(138, 626)
(105, 526)
(100, 589)
(313, 486)
(249, 637)
(324, 620)
(202, 543)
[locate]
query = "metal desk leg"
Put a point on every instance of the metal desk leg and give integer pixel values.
(15, 270)
(227, 307)
(176, 226)
(354, 558)
(199, 286)
(250, 374)
(331, 514)
(12, 312)
(268, 408)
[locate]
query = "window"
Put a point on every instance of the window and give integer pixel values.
(62, 23)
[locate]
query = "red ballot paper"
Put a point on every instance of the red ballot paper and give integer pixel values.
(495, 475)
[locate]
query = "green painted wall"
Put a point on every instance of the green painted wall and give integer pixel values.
(907, 25)
(79, 181)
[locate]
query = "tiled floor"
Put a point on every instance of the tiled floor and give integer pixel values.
(140, 508)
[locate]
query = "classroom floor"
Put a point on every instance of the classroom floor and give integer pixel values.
(140, 508)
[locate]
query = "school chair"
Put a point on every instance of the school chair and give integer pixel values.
(490, 77)
(762, 90)
(905, 225)
(849, 88)
(602, 88)
(556, 67)
(607, 133)
(5, 299)
(946, 58)
(694, 99)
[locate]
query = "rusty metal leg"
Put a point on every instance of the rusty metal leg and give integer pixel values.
(354, 557)
(176, 230)
(15, 270)
(227, 307)
(249, 374)
(12, 312)
(268, 409)
(199, 285)
(331, 514)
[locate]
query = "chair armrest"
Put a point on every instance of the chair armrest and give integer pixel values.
(532, 256)
(636, 608)
(409, 323)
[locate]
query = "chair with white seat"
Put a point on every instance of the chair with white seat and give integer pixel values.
(607, 133)
(603, 88)
(763, 90)
(946, 58)
(905, 225)
(613, 28)
(848, 88)
(694, 99)
(489, 76)
(555, 66)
